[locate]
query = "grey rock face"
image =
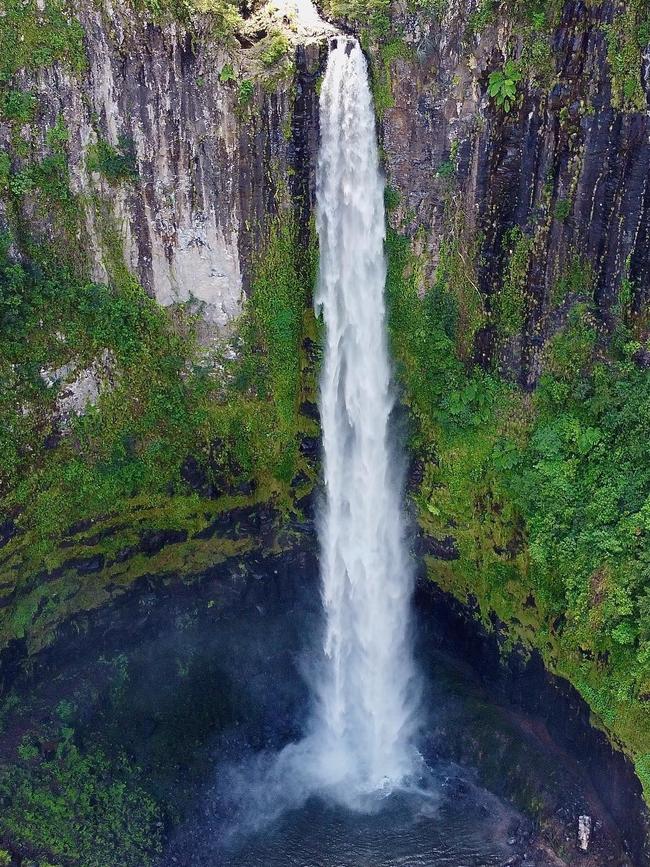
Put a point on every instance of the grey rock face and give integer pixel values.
(211, 171)
(584, 832)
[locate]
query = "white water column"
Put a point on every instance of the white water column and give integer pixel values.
(365, 698)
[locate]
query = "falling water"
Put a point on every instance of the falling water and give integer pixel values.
(365, 697)
(359, 740)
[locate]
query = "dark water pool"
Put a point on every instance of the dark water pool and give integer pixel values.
(457, 824)
(401, 835)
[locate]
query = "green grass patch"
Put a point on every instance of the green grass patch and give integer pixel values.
(30, 39)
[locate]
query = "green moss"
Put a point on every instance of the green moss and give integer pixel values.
(18, 106)
(245, 93)
(382, 89)
(546, 497)
(272, 332)
(165, 399)
(510, 303)
(447, 168)
(276, 48)
(223, 15)
(30, 39)
(575, 281)
(483, 16)
(457, 277)
(371, 14)
(627, 36)
(570, 352)
(562, 209)
(116, 164)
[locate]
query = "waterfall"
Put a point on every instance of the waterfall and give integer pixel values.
(359, 740)
(365, 704)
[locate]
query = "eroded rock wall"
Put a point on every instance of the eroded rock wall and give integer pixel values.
(564, 165)
(213, 154)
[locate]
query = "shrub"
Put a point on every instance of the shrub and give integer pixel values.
(18, 106)
(245, 93)
(503, 85)
(276, 48)
(227, 74)
(116, 164)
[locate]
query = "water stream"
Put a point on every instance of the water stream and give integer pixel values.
(366, 704)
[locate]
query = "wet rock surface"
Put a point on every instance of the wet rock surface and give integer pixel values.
(556, 722)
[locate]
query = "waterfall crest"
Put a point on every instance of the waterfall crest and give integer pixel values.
(365, 712)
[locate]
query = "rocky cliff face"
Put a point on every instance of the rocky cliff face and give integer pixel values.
(518, 285)
(212, 143)
(566, 168)
(172, 160)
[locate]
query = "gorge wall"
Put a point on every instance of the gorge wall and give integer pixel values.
(158, 350)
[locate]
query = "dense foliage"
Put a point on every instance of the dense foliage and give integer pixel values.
(30, 38)
(81, 808)
(165, 400)
(548, 497)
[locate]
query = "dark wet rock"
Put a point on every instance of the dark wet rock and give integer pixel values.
(155, 540)
(247, 521)
(642, 358)
(565, 167)
(194, 475)
(556, 715)
(310, 447)
(86, 565)
(126, 553)
(258, 585)
(245, 487)
(52, 440)
(310, 410)
(81, 526)
(307, 506)
(8, 530)
(299, 480)
(416, 473)
(442, 549)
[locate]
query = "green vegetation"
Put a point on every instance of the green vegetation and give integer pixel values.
(227, 74)
(382, 89)
(627, 36)
(116, 164)
(17, 106)
(447, 168)
(30, 39)
(163, 403)
(371, 14)
(81, 808)
(503, 85)
(510, 303)
(245, 93)
(562, 209)
(223, 15)
(275, 49)
(273, 332)
(481, 17)
(547, 497)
